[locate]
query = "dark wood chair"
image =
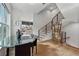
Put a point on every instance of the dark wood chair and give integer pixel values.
(34, 44)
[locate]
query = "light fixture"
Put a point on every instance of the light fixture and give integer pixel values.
(0, 25)
(51, 8)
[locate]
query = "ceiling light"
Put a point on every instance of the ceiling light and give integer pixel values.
(51, 8)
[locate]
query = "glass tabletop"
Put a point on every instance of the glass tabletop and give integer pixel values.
(9, 43)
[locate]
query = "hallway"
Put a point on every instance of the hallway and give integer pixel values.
(23, 24)
(49, 48)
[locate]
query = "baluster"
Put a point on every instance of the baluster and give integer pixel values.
(39, 34)
(45, 29)
(65, 37)
(61, 38)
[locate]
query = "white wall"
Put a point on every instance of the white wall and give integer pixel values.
(18, 16)
(9, 7)
(42, 19)
(70, 12)
(73, 32)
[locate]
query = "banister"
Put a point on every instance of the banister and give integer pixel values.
(52, 25)
(45, 27)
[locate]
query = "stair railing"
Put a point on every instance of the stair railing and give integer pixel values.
(50, 27)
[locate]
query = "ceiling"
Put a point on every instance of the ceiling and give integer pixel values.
(31, 8)
(28, 7)
(27, 10)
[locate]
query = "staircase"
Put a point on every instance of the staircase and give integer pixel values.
(53, 30)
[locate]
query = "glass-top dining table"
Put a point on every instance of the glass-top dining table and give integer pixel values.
(24, 45)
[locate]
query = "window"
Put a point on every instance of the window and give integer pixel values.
(4, 25)
(2, 16)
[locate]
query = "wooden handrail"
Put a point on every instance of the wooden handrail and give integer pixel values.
(52, 24)
(61, 34)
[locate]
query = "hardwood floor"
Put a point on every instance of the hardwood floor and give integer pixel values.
(49, 48)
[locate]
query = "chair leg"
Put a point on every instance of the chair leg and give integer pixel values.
(36, 49)
(32, 50)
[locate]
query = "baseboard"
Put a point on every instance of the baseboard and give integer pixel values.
(72, 46)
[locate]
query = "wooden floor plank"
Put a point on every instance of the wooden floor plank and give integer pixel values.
(50, 48)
